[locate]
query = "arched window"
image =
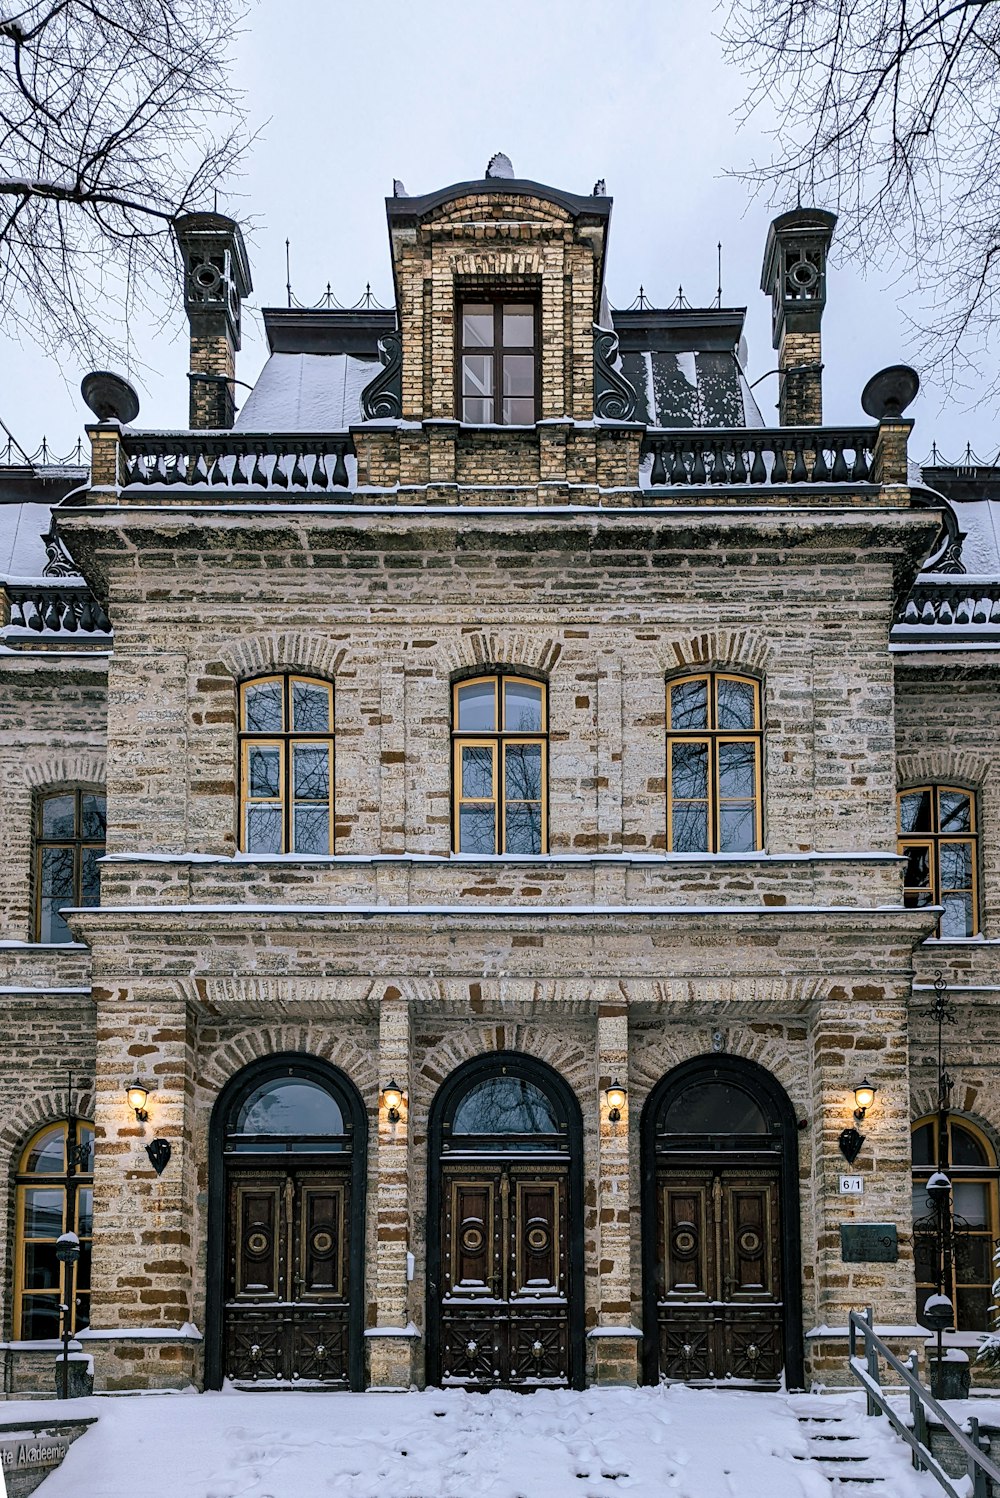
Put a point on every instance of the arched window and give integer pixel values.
(55, 1195)
(938, 838)
(971, 1164)
(500, 765)
(69, 839)
(714, 751)
(286, 765)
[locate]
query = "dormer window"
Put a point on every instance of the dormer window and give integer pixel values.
(497, 363)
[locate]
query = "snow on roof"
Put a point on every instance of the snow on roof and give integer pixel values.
(22, 550)
(690, 388)
(307, 393)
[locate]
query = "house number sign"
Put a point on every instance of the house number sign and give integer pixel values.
(852, 1185)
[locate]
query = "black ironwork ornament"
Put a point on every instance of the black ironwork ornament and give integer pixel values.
(850, 1145)
(158, 1151)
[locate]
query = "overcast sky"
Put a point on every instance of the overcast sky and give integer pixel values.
(350, 95)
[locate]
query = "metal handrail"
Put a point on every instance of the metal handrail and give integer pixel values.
(979, 1469)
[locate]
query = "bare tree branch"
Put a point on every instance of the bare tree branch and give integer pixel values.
(116, 117)
(889, 112)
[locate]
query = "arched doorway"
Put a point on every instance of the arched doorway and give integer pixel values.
(505, 1228)
(721, 1268)
(286, 1228)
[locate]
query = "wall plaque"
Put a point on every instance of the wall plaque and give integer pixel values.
(868, 1243)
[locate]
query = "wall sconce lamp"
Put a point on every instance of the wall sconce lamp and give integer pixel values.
(616, 1096)
(864, 1096)
(392, 1096)
(137, 1094)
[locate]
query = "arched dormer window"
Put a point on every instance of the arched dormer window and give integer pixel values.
(500, 751)
(938, 836)
(714, 754)
(55, 1195)
(286, 765)
(70, 828)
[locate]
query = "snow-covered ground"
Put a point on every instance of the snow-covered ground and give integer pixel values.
(683, 1443)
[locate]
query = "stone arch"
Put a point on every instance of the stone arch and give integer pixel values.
(288, 650)
(943, 764)
(487, 649)
(34, 1112)
(257, 1043)
(49, 771)
(716, 649)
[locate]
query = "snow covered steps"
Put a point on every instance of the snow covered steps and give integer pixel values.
(857, 1454)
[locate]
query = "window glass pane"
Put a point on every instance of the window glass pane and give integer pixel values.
(289, 1105)
(970, 1203)
(522, 707)
(477, 374)
(523, 827)
(90, 876)
(93, 817)
(712, 1108)
(310, 708)
(85, 1211)
(917, 874)
(737, 827)
(923, 1208)
(923, 1145)
(518, 411)
(263, 706)
(505, 1105)
(312, 829)
(477, 707)
(689, 705)
(83, 1269)
(85, 1138)
(973, 1257)
(915, 811)
(688, 770)
(972, 1310)
(41, 1267)
(957, 918)
(56, 891)
(43, 1212)
(59, 816)
(924, 1253)
(477, 829)
(518, 374)
(265, 771)
(477, 325)
(956, 865)
(311, 772)
(690, 827)
(736, 771)
(737, 702)
(48, 1156)
(518, 325)
(476, 411)
(966, 1148)
(39, 1317)
(263, 829)
(955, 812)
(523, 772)
(477, 771)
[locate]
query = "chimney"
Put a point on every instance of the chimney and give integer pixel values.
(216, 279)
(794, 276)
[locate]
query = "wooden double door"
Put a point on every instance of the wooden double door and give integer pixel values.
(719, 1308)
(287, 1283)
(503, 1298)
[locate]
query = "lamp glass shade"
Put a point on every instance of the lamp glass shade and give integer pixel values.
(864, 1094)
(392, 1096)
(616, 1096)
(137, 1095)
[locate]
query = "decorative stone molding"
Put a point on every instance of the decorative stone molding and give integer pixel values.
(51, 770)
(943, 765)
(357, 1062)
(496, 648)
(289, 651)
(722, 648)
(34, 1113)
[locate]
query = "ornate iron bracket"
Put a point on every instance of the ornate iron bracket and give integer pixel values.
(58, 562)
(850, 1144)
(382, 397)
(614, 397)
(158, 1151)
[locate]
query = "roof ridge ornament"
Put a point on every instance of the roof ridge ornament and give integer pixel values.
(500, 165)
(600, 188)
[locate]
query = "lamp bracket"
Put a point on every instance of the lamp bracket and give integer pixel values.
(159, 1152)
(850, 1144)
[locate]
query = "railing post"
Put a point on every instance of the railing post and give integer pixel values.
(975, 1471)
(871, 1358)
(918, 1415)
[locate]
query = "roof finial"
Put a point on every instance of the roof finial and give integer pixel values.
(398, 190)
(718, 291)
(288, 270)
(600, 188)
(499, 165)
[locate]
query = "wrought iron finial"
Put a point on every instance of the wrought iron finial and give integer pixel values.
(680, 301)
(641, 303)
(288, 270)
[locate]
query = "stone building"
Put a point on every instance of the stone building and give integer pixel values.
(449, 937)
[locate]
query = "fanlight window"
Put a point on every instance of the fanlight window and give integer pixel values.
(505, 1105)
(69, 839)
(938, 838)
(287, 1114)
(718, 1108)
(500, 765)
(55, 1195)
(714, 748)
(286, 765)
(971, 1164)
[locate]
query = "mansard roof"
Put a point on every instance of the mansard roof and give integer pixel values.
(410, 210)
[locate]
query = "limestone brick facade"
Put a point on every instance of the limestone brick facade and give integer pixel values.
(605, 957)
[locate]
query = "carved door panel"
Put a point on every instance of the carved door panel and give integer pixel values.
(503, 1301)
(287, 1276)
(719, 1274)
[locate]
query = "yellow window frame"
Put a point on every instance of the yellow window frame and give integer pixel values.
(285, 741)
(933, 841)
(986, 1175)
(26, 1181)
(713, 738)
(498, 738)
